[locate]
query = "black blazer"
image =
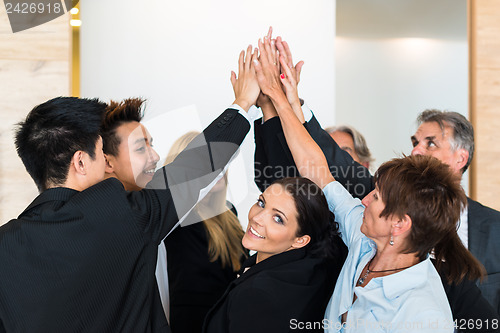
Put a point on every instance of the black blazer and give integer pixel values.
(85, 261)
(465, 299)
(273, 159)
(276, 295)
(484, 243)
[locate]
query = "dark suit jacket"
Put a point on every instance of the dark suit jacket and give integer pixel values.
(484, 223)
(484, 243)
(273, 293)
(273, 159)
(85, 261)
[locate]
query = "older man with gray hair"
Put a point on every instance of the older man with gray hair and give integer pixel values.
(353, 142)
(449, 136)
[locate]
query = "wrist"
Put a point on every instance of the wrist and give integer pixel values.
(297, 109)
(243, 103)
(278, 97)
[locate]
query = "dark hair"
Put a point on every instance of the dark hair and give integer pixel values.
(463, 132)
(426, 190)
(118, 113)
(314, 218)
(51, 134)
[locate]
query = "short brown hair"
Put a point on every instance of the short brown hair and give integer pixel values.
(426, 190)
(118, 113)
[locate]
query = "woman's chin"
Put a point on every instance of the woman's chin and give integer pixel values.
(247, 243)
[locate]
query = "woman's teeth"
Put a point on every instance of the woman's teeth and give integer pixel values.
(254, 232)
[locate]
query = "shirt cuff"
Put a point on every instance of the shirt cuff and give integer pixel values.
(252, 114)
(306, 112)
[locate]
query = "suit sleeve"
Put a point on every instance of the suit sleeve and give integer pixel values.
(355, 178)
(484, 229)
(261, 163)
(273, 159)
(178, 186)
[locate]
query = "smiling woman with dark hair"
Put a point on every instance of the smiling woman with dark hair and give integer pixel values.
(289, 280)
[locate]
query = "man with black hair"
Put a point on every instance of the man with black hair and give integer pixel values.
(131, 158)
(82, 256)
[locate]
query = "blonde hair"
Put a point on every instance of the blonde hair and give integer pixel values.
(224, 231)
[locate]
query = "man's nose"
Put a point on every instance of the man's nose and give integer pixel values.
(154, 155)
(417, 150)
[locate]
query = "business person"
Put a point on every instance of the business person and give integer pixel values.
(287, 283)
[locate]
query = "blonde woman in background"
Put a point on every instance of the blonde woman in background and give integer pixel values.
(202, 258)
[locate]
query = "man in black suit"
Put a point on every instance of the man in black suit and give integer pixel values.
(82, 256)
(449, 136)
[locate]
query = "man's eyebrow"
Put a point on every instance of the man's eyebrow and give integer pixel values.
(140, 140)
(430, 138)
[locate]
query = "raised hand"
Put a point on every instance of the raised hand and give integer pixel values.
(284, 50)
(263, 101)
(291, 76)
(267, 69)
(245, 86)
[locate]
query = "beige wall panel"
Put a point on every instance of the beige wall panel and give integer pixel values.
(34, 67)
(45, 41)
(485, 99)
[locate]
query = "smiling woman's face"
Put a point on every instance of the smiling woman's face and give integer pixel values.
(135, 163)
(272, 224)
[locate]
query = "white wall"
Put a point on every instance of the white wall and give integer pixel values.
(383, 84)
(179, 54)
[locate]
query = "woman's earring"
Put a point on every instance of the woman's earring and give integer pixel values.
(391, 242)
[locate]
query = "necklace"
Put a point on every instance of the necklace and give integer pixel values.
(368, 271)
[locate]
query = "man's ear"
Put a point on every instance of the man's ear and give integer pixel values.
(110, 162)
(462, 158)
(301, 241)
(78, 163)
